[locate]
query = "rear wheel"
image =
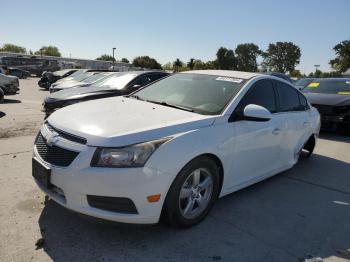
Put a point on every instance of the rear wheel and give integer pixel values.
(2, 95)
(193, 193)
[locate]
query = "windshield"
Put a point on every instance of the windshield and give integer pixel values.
(303, 82)
(204, 94)
(341, 87)
(94, 78)
(61, 72)
(116, 81)
(82, 76)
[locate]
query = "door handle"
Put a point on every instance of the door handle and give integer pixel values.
(306, 124)
(276, 131)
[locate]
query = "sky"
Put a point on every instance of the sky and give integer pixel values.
(166, 30)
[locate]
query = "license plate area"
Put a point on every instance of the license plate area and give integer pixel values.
(41, 173)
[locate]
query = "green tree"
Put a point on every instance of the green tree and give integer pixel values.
(212, 64)
(49, 51)
(282, 56)
(13, 48)
(106, 57)
(225, 59)
(125, 60)
(146, 62)
(190, 63)
(246, 55)
(318, 74)
(311, 74)
(342, 61)
(168, 66)
(177, 65)
(295, 73)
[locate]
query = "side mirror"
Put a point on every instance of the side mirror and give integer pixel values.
(256, 113)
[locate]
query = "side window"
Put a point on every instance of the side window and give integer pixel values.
(141, 81)
(288, 97)
(155, 77)
(303, 102)
(261, 94)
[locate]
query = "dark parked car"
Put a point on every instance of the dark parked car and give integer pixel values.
(280, 75)
(331, 96)
(303, 82)
(20, 73)
(49, 78)
(117, 84)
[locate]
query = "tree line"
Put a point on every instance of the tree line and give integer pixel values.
(280, 57)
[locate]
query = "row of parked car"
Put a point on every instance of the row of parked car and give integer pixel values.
(331, 96)
(76, 85)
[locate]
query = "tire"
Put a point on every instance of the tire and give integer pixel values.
(195, 201)
(2, 95)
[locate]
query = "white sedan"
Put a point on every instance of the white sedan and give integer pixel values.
(172, 148)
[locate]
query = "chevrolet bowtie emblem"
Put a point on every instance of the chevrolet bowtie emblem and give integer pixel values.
(52, 138)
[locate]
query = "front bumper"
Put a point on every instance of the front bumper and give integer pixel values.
(332, 122)
(75, 182)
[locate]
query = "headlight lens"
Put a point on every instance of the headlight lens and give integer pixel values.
(130, 156)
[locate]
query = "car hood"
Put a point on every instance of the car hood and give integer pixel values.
(69, 84)
(73, 93)
(328, 99)
(120, 121)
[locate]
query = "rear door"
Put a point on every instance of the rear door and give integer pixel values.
(295, 115)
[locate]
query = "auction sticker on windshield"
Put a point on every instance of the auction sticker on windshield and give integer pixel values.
(313, 84)
(229, 79)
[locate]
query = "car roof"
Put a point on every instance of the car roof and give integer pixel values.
(225, 73)
(334, 79)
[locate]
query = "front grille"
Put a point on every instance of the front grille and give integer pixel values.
(54, 155)
(66, 135)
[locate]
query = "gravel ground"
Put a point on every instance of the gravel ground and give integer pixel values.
(299, 214)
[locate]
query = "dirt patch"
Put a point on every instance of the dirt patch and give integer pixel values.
(24, 129)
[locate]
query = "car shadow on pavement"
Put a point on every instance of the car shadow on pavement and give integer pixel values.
(334, 137)
(11, 101)
(303, 212)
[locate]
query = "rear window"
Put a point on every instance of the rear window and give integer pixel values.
(341, 87)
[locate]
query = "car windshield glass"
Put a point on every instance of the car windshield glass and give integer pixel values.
(204, 94)
(116, 81)
(303, 82)
(341, 87)
(94, 78)
(82, 76)
(61, 72)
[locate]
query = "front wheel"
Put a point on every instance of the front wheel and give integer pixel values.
(193, 193)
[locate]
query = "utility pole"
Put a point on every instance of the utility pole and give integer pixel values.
(113, 57)
(316, 68)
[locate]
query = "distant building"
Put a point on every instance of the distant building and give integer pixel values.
(67, 62)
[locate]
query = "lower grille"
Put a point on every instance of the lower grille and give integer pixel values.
(54, 155)
(114, 204)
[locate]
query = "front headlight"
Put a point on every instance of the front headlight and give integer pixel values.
(130, 156)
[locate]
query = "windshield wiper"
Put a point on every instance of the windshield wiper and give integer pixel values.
(136, 97)
(163, 103)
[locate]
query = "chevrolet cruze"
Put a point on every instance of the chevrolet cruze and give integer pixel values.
(173, 147)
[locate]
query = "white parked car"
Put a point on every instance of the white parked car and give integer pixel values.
(173, 147)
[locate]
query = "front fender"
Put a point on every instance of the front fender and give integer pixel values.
(172, 156)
